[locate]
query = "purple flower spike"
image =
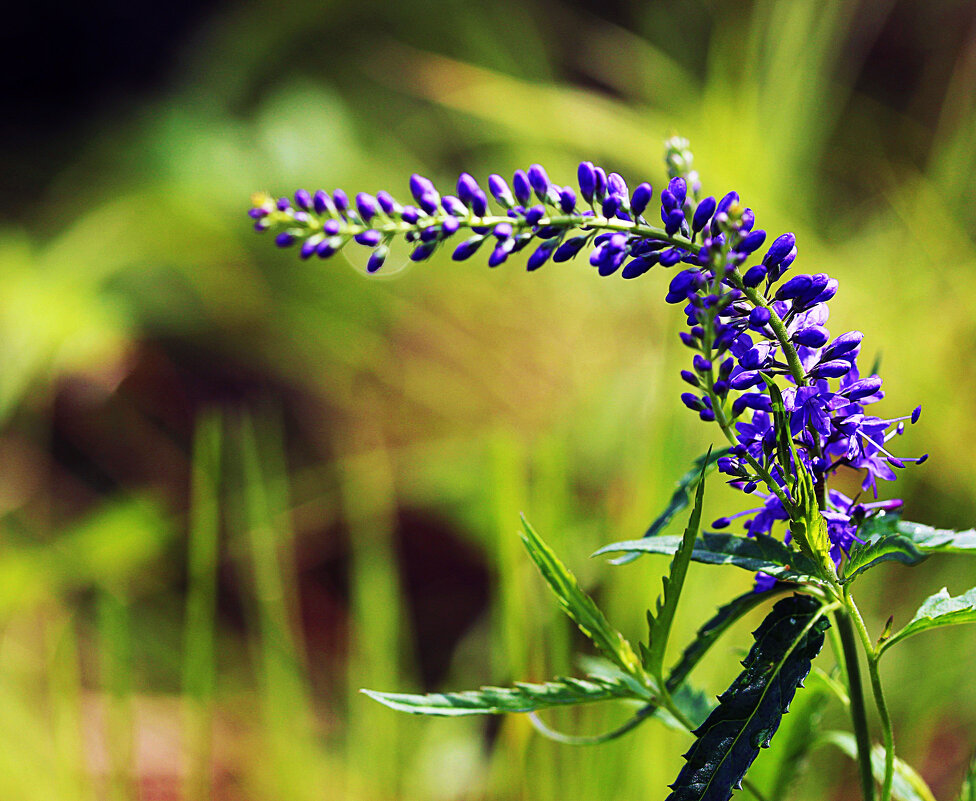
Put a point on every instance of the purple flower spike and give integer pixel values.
(600, 182)
(522, 187)
(569, 248)
(758, 318)
(751, 242)
(813, 337)
(498, 187)
(754, 276)
(616, 185)
(587, 180)
(641, 199)
(321, 202)
(843, 344)
(863, 388)
(467, 188)
(420, 186)
(703, 214)
(679, 189)
(780, 249)
(386, 201)
(567, 200)
(831, 369)
(745, 379)
(539, 180)
(376, 259)
(467, 248)
(369, 238)
(366, 205)
(637, 267)
(795, 287)
(540, 256)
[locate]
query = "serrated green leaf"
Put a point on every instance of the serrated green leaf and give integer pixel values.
(785, 449)
(713, 628)
(759, 553)
(750, 711)
(968, 790)
(523, 697)
(938, 610)
(880, 549)
(907, 784)
(659, 624)
(681, 498)
(579, 606)
(938, 540)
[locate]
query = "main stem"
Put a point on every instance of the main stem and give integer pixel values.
(856, 692)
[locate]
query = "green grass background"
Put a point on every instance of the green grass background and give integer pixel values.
(237, 488)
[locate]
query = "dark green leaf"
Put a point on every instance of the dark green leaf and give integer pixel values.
(659, 625)
(522, 697)
(579, 606)
(785, 450)
(885, 548)
(681, 498)
(907, 784)
(749, 712)
(760, 553)
(717, 625)
(937, 610)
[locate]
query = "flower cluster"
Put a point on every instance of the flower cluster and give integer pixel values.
(750, 325)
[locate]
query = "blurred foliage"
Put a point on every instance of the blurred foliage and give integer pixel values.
(354, 505)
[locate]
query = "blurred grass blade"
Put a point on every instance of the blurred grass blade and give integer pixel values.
(936, 611)
(907, 784)
(760, 553)
(523, 697)
(199, 668)
(115, 669)
(659, 624)
(681, 499)
(580, 606)
(968, 790)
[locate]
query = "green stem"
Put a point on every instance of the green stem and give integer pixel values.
(858, 712)
(877, 690)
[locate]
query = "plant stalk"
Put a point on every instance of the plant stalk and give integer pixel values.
(858, 712)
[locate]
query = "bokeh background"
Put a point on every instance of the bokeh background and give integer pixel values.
(236, 488)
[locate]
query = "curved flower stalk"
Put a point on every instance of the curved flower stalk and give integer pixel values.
(787, 394)
(749, 315)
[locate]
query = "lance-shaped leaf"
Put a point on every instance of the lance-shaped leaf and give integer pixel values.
(681, 499)
(937, 610)
(713, 628)
(523, 697)
(759, 553)
(579, 606)
(749, 712)
(885, 548)
(907, 784)
(659, 624)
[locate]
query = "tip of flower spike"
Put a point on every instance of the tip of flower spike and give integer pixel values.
(916, 414)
